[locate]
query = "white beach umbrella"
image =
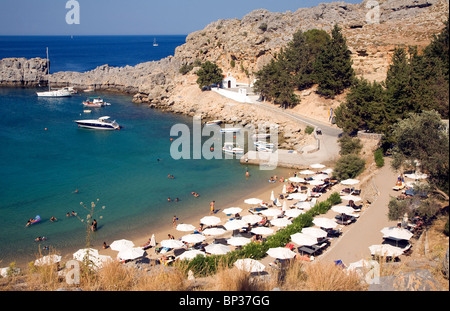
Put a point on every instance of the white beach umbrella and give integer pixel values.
(119, 245)
(359, 264)
(385, 250)
(47, 260)
(296, 179)
(280, 222)
(317, 165)
(262, 230)
(284, 207)
(232, 210)
(416, 176)
(153, 241)
(343, 209)
(271, 212)
(320, 177)
(253, 201)
(350, 181)
(214, 231)
(351, 198)
(235, 224)
(81, 254)
(397, 233)
(193, 238)
(307, 172)
(130, 253)
(303, 239)
(281, 253)
(284, 191)
(303, 205)
(249, 265)
(328, 171)
(172, 243)
(238, 241)
(251, 219)
(316, 182)
(315, 232)
(323, 222)
(298, 196)
(190, 254)
(210, 220)
(101, 260)
(293, 213)
(185, 227)
(272, 196)
(217, 249)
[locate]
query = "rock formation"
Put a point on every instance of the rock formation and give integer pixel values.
(23, 72)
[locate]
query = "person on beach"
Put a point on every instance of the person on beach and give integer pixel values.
(105, 246)
(94, 225)
(53, 218)
(247, 174)
(29, 222)
(169, 200)
(174, 221)
(212, 207)
(171, 237)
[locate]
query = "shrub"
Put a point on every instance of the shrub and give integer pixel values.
(309, 129)
(263, 26)
(349, 166)
(186, 68)
(349, 145)
(378, 155)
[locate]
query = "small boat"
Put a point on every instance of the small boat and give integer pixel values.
(264, 147)
(231, 130)
(260, 136)
(154, 42)
(213, 122)
(87, 111)
(102, 123)
(232, 149)
(95, 102)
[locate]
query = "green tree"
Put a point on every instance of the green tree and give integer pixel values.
(423, 137)
(333, 66)
(349, 166)
(363, 109)
(209, 74)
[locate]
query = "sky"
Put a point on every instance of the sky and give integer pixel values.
(130, 17)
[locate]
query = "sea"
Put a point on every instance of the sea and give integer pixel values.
(50, 167)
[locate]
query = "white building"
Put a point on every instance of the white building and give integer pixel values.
(229, 82)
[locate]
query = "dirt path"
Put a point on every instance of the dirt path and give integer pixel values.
(354, 243)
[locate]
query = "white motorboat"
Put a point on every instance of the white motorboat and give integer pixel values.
(231, 148)
(95, 102)
(213, 122)
(102, 123)
(65, 92)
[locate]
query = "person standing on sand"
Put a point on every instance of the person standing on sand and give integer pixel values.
(212, 208)
(174, 221)
(247, 174)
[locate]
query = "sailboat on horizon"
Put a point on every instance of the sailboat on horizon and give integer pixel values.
(65, 92)
(154, 42)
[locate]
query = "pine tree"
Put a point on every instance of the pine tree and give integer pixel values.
(333, 66)
(209, 74)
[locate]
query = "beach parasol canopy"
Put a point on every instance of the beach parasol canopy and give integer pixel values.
(253, 201)
(315, 232)
(210, 220)
(262, 230)
(190, 254)
(153, 241)
(293, 213)
(416, 176)
(350, 181)
(214, 231)
(249, 265)
(298, 196)
(119, 245)
(272, 196)
(235, 224)
(343, 209)
(320, 177)
(303, 205)
(172, 243)
(385, 250)
(326, 223)
(316, 182)
(251, 219)
(217, 249)
(280, 222)
(317, 165)
(284, 191)
(238, 241)
(85, 253)
(193, 238)
(303, 239)
(47, 260)
(232, 210)
(307, 172)
(351, 198)
(271, 212)
(396, 233)
(130, 253)
(281, 253)
(185, 227)
(296, 179)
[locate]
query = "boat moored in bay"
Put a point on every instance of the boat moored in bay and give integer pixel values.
(102, 123)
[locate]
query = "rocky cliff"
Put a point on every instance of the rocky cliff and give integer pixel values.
(243, 46)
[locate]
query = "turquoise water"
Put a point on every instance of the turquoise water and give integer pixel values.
(45, 157)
